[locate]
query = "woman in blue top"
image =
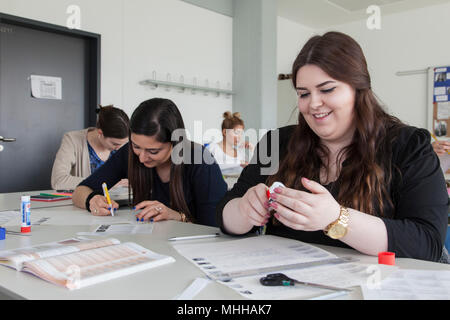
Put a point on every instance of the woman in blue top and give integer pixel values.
(171, 178)
(84, 151)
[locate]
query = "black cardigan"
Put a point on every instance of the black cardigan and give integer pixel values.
(416, 224)
(203, 183)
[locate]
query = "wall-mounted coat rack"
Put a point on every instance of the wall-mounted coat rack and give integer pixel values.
(181, 86)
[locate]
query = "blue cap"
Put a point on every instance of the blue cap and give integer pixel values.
(2, 233)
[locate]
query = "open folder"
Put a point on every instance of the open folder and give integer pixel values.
(76, 263)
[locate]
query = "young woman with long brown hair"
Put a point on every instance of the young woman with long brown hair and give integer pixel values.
(354, 175)
(185, 190)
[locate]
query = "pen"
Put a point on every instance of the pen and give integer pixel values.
(108, 199)
(65, 191)
(203, 236)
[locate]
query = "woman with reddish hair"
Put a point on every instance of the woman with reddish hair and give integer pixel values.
(354, 175)
(232, 154)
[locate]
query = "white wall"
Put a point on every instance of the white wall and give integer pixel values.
(140, 36)
(291, 37)
(411, 40)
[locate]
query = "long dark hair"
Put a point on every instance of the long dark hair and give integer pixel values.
(363, 182)
(113, 122)
(157, 118)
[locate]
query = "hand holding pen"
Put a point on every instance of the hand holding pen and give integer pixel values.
(108, 198)
(103, 205)
(100, 207)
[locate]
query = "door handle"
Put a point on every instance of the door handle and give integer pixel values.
(2, 139)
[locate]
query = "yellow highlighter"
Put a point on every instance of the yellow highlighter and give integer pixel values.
(108, 198)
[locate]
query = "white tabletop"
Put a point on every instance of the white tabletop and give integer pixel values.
(158, 283)
(11, 201)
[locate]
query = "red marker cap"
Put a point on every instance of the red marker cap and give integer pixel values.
(386, 258)
(25, 229)
(268, 193)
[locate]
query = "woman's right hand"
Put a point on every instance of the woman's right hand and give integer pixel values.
(441, 147)
(254, 205)
(100, 207)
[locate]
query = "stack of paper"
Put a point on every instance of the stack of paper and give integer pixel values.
(215, 258)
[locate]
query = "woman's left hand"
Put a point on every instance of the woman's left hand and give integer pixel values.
(155, 210)
(305, 211)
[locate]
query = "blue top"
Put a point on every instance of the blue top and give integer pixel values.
(94, 160)
(203, 183)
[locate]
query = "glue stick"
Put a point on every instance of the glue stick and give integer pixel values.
(25, 209)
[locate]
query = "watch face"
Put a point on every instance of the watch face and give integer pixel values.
(337, 231)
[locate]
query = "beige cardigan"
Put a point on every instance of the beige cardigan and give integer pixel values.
(72, 163)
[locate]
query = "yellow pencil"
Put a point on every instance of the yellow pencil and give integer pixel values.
(108, 198)
(436, 139)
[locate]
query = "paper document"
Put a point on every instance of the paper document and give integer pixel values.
(107, 229)
(250, 253)
(412, 285)
(440, 91)
(443, 110)
(7, 216)
(190, 292)
(216, 258)
(60, 217)
(44, 87)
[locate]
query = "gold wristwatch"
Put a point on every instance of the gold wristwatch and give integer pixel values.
(338, 228)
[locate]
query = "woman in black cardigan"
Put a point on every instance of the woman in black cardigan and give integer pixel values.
(170, 177)
(354, 175)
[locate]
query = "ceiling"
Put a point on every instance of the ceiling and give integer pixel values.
(324, 13)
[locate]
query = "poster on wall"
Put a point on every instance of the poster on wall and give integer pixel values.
(440, 125)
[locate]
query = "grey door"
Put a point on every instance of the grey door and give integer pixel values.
(36, 126)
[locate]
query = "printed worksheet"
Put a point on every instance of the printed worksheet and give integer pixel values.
(250, 253)
(107, 229)
(266, 252)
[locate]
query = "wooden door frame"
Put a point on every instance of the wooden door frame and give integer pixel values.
(94, 56)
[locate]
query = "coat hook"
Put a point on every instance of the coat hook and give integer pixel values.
(228, 88)
(218, 88)
(153, 86)
(181, 89)
(168, 79)
(194, 82)
(206, 86)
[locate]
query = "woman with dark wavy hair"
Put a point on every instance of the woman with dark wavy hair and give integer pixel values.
(354, 175)
(171, 178)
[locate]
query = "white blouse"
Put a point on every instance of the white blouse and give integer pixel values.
(228, 165)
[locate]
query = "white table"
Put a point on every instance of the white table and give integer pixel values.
(158, 283)
(11, 201)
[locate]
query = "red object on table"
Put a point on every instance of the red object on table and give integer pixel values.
(386, 258)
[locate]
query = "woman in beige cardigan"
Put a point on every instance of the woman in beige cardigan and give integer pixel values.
(84, 151)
